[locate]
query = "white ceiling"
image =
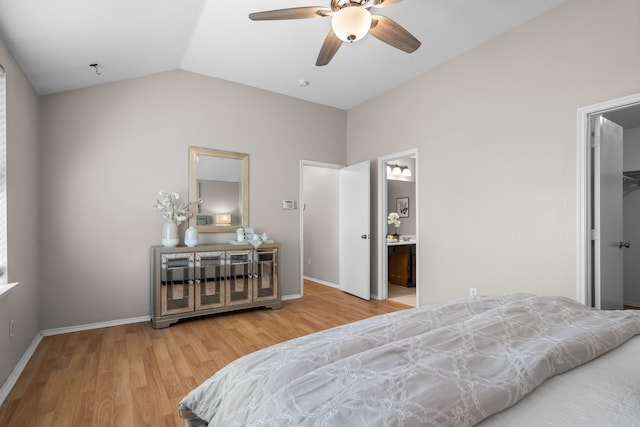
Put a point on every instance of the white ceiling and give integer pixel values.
(54, 42)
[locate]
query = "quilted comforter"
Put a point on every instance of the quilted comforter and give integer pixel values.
(449, 364)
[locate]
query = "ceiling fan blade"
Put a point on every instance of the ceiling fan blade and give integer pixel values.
(292, 13)
(385, 3)
(388, 31)
(329, 48)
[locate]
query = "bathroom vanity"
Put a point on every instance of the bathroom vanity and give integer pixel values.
(402, 263)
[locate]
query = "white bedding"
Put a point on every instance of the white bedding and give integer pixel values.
(453, 364)
(604, 392)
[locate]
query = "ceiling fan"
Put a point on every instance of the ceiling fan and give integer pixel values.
(351, 20)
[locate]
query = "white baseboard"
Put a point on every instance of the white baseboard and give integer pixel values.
(17, 371)
(22, 363)
(322, 282)
(333, 285)
(79, 328)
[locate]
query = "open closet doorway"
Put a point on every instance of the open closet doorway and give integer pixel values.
(320, 244)
(398, 227)
(609, 205)
(335, 234)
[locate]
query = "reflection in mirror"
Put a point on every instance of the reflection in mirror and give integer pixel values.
(221, 180)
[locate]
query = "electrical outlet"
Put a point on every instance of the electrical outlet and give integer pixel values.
(309, 261)
(11, 330)
(473, 292)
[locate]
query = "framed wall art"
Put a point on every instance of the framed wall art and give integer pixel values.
(402, 207)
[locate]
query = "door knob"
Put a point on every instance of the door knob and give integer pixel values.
(365, 236)
(624, 245)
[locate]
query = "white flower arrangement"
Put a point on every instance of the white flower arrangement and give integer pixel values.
(393, 219)
(167, 205)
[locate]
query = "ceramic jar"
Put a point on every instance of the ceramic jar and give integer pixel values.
(170, 234)
(191, 237)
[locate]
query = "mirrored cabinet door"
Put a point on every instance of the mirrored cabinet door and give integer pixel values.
(265, 282)
(239, 278)
(210, 273)
(176, 283)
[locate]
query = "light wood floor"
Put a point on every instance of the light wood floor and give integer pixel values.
(133, 375)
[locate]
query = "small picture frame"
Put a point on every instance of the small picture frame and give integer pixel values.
(402, 207)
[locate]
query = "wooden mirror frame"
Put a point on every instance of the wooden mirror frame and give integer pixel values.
(194, 152)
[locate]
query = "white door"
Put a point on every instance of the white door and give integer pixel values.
(354, 230)
(607, 216)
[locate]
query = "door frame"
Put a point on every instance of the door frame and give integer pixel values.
(304, 163)
(584, 199)
(383, 266)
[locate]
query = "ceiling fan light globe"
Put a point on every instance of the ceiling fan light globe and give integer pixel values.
(351, 23)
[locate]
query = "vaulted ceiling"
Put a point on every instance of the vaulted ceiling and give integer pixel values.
(54, 42)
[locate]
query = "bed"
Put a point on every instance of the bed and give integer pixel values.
(518, 359)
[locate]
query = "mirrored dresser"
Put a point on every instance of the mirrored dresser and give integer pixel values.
(206, 279)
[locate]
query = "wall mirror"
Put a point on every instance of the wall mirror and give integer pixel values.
(221, 180)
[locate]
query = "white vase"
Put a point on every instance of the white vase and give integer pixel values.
(191, 236)
(170, 234)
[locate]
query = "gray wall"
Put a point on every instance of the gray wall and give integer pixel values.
(23, 233)
(397, 189)
(631, 203)
(496, 130)
(109, 149)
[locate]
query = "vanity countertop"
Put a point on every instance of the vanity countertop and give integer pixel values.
(402, 242)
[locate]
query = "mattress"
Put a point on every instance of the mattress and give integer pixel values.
(604, 392)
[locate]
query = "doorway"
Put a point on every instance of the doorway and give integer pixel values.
(606, 224)
(319, 214)
(334, 223)
(399, 196)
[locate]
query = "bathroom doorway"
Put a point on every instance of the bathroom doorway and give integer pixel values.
(398, 227)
